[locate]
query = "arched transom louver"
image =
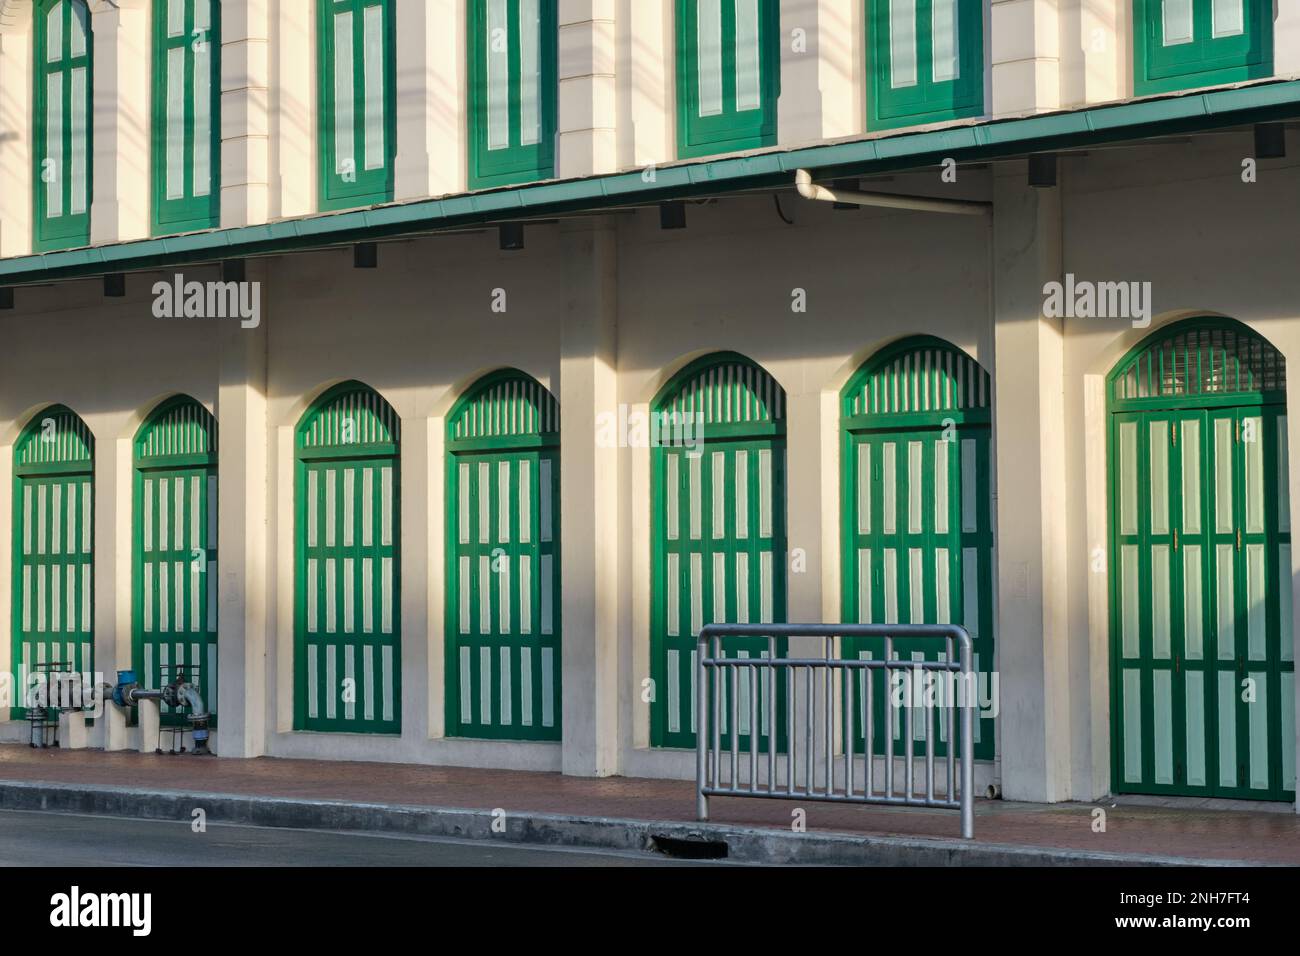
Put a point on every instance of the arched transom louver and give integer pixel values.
(505, 406)
(1200, 358)
(926, 376)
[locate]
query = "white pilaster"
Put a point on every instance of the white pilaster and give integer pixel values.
(120, 119)
(245, 112)
(431, 123)
(587, 127)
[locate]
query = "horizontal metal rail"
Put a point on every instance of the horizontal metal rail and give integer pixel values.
(783, 704)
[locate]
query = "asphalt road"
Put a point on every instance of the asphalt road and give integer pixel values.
(58, 839)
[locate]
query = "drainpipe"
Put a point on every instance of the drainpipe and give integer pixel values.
(803, 182)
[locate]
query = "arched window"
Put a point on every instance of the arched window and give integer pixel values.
(917, 516)
(718, 526)
(728, 75)
(186, 114)
(54, 575)
(503, 560)
(347, 661)
(357, 116)
(513, 89)
(63, 57)
(174, 544)
(1200, 566)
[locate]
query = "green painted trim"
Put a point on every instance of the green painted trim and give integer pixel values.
(1204, 61)
(516, 163)
(189, 212)
(69, 230)
(928, 101)
(374, 185)
(730, 130)
(962, 141)
(80, 469)
(380, 454)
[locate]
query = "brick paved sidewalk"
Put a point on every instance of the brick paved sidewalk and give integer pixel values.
(1262, 836)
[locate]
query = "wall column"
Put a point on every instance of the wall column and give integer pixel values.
(1029, 423)
(245, 112)
(431, 138)
(589, 537)
(16, 143)
(120, 200)
(587, 128)
(1025, 57)
(242, 559)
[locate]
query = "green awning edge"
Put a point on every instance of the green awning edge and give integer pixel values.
(967, 141)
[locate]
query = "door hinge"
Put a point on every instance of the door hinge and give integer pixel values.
(1175, 539)
(1238, 422)
(1177, 664)
(1173, 433)
(1238, 539)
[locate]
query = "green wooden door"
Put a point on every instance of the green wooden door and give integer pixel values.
(174, 585)
(503, 561)
(718, 513)
(347, 663)
(53, 586)
(918, 522)
(1203, 666)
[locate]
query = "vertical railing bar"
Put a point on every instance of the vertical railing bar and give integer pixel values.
(735, 724)
(811, 732)
(771, 714)
(967, 750)
(702, 733)
(909, 743)
(889, 718)
(951, 745)
(929, 744)
(830, 718)
(868, 741)
(789, 730)
(751, 675)
(847, 723)
(715, 643)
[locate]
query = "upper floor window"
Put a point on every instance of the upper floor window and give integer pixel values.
(1185, 43)
(512, 91)
(62, 82)
(926, 61)
(728, 75)
(357, 125)
(186, 111)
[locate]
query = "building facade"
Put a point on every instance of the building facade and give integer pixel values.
(340, 337)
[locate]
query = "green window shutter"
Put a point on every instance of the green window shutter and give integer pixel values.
(1202, 656)
(53, 584)
(186, 115)
(917, 520)
(513, 88)
(927, 61)
(719, 540)
(503, 561)
(728, 75)
(357, 116)
(347, 654)
(1179, 44)
(174, 546)
(63, 55)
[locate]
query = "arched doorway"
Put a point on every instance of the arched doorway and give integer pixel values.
(1202, 669)
(347, 611)
(718, 522)
(503, 560)
(918, 517)
(174, 547)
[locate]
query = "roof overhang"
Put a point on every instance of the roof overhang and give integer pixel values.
(970, 141)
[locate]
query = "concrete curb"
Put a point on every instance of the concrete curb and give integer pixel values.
(742, 844)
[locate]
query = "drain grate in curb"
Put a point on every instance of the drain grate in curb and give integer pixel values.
(688, 848)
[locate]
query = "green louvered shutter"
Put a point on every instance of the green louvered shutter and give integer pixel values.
(719, 551)
(503, 568)
(347, 662)
(1202, 658)
(54, 568)
(918, 533)
(64, 59)
(174, 621)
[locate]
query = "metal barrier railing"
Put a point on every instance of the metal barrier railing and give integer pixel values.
(761, 695)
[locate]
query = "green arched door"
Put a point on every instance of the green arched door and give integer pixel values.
(174, 544)
(1202, 665)
(347, 661)
(918, 519)
(503, 561)
(54, 573)
(718, 530)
